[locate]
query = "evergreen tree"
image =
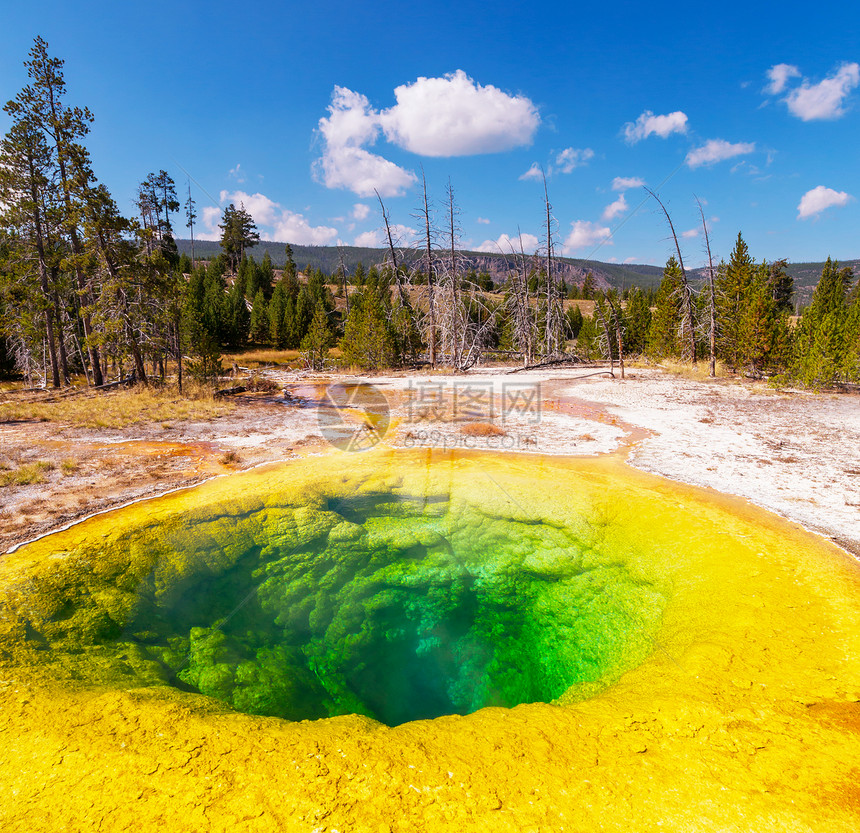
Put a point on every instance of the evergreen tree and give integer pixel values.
(318, 339)
(238, 232)
(663, 337)
(369, 340)
(638, 315)
(573, 320)
(259, 325)
(266, 275)
(588, 287)
(733, 285)
(823, 350)
(277, 311)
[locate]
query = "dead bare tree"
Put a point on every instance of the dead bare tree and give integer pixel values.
(552, 319)
(619, 334)
(395, 266)
(343, 282)
(607, 336)
(712, 299)
(427, 242)
(688, 330)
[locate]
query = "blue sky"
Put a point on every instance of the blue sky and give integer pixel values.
(299, 111)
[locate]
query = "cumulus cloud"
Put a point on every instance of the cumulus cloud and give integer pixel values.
(449, 116)
(818, 199)
(716, 150)
(690, 233)
(624, 183)
(455, 116)
(375, 239)
(614, 209)
(650, 125)
(584, 235)
(534, 172)
(505, 243)
(209, 219)
(483, 221)
(778, 77)
(237, 173)
(629, 260)
(360, 211)
(273, 220)
(345, 163)
(824, 100)
(571, 158)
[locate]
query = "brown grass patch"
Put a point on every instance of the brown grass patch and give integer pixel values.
(27, 474)
(121, 408)
(482, 429)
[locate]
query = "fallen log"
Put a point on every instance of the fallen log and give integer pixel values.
(230, 391)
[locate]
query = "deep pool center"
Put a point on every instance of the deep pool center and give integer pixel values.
(361, 597)
(366, 632)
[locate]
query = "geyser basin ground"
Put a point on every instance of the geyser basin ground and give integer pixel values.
(701, 656)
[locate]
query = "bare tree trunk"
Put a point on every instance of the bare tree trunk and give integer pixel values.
(549, 322)
(391, 249)
(428, 254)
(598, 306)
(689, 333)
(712, 300)
(61, 343)
(343, 279)
(454, 278)
(619, 337)
(43, 278)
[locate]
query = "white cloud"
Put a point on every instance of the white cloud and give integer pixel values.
(377, 239)
(274, 221)
(294, 228)
(237, 173)
(650, 125)
(629, 260)
(571, 158)
(534, 172)
(585, 235)
(450, 116)
(352, 123)
(505, 243)
(624, 183)
(210, 217)
(483, 221)
(778, 76)
(455, 116)
(360, 211)
(818, 199)
(716, 150)
(825, 99)
(614, 209)
(690, 233)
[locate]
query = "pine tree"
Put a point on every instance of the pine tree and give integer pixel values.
(733, 284)
(277, 310)
(638, 315)
(369, 340)
(318, 339)
(823, 348)
(663, 337)
(573, 320)
(238, 233)
(259, 326)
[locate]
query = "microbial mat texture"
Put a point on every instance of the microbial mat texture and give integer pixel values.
(418, 640)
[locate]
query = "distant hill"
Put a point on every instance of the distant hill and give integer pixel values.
(327, 258)
(573, 270)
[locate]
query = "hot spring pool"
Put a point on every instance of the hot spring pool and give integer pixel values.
(560, 626)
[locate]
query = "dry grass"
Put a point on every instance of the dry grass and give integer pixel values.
(27, 474)
(699, 372)
(482, 429)
(261, 358)
(121, 408)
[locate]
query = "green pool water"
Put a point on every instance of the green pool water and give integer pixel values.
(391, 604)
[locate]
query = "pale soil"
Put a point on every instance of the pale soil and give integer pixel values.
(794, 453)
